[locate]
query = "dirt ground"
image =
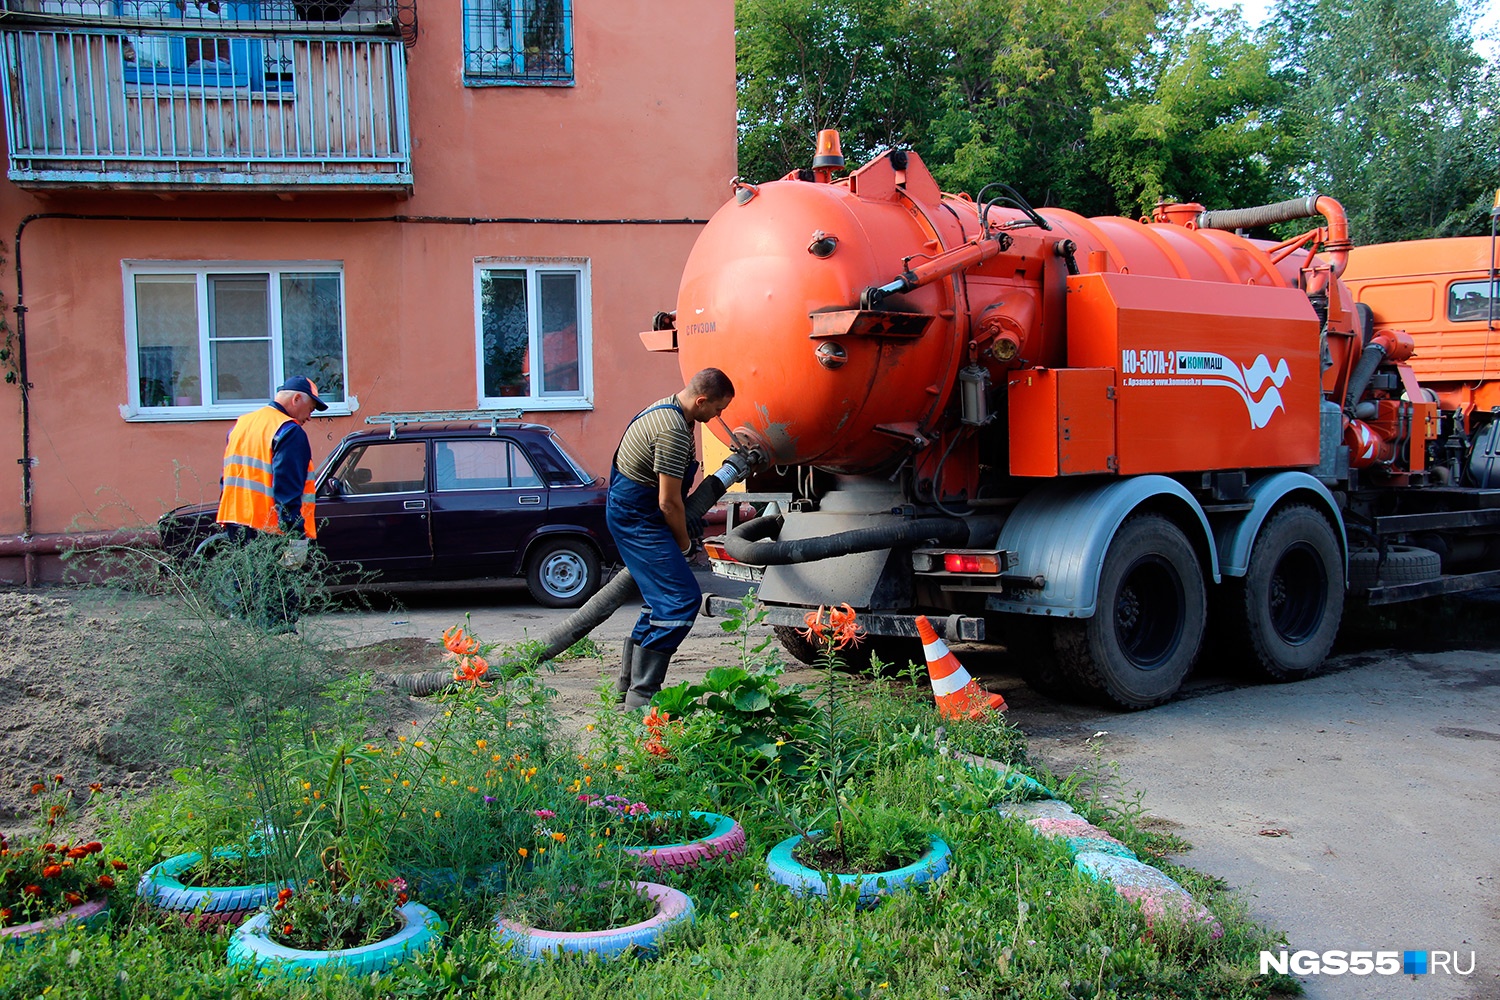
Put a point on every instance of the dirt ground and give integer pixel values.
(65, 657)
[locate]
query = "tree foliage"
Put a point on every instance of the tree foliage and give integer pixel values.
(1107, 106)
(1400, 115)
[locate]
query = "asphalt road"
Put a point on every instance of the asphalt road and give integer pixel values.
(1357, 810)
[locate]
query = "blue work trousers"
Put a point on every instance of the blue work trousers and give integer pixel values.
(655, 562)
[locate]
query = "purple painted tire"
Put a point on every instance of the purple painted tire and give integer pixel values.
(92, 915)
(725, 840)
(672, 908)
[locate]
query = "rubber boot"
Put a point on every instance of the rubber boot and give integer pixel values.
(646, 677)
(627, 668)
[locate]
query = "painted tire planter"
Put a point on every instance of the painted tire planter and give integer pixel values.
(204, 908)
(805, 881)
(251, 945)
(726, 839)
(93, 915)
(672, 908)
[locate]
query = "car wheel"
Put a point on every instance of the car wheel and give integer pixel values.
(562, 573)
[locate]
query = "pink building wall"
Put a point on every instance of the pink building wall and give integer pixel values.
(646, 133)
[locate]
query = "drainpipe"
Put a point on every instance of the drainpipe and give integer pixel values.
(30, 546)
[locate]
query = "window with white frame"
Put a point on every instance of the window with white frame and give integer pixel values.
(208, 340)
(534, 345)
(526, 42)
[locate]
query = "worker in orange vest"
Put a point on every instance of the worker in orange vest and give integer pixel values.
(267, 487)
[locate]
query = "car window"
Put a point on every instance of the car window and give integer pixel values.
(1472, 300)
(484, 464)
(387, 467)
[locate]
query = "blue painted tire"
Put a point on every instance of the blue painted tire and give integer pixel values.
(161, 889)
(726, 839)
(251, 946)
(804, 881)
(672, 908)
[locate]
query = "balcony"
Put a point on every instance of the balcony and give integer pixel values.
(259, 98)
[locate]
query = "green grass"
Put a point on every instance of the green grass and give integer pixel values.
(1012, 918)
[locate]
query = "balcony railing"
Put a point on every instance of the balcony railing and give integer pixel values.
(188, 109)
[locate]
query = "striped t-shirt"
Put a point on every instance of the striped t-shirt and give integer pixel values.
(659, 443)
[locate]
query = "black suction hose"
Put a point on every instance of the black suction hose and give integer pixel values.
(755, 541)
(1369, 360)
(604, 603)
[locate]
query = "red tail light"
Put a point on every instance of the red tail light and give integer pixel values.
(967, 562)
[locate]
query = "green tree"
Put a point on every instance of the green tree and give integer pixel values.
(865, 67)
(1200, 121)
(1400, 115)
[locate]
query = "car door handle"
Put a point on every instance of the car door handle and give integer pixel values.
(529, 500)
(414, 505)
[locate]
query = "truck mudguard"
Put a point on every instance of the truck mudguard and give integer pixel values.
(1062, 530)
(1235, 539)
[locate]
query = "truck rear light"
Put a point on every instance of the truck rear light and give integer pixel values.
(961, 562)
(969, 562)
(716, 550)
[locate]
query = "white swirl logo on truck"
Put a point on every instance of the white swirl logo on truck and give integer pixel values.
(1205, 368)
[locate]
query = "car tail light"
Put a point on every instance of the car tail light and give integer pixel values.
(969, 562)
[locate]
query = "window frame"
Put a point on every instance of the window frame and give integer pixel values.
(534, 268)
(1491, 289)
(566, 78)
(133, 410)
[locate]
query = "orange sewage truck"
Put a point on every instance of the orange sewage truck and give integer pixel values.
(1093, 439)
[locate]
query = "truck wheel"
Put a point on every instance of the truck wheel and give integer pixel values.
(796, 644)
(1400, 564)
(1029, 641)
(1285, 612)
(1140, 644)
(562, 573)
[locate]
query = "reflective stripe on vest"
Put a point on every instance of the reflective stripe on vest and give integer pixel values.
(247, 496)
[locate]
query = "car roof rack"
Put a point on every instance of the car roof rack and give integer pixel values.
(444, 416)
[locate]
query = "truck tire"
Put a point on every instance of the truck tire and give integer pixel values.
(1144, 638)
(1402, 564)
(1284, 614)
(562, 573)
(798, 646)
(1030, 643)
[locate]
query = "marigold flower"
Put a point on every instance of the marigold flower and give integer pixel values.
(118, 865)
(286, 928)
(93, 847)
(96, 786)
(4, 914)
(38, 788)
(401, 898)
(32, 890)
(52, 871)
(72, 898)
(106, 882)
(78, 852)
(481, 744)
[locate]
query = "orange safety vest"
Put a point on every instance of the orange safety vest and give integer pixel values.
(247, 498)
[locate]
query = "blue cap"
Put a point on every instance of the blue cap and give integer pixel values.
(300, 383)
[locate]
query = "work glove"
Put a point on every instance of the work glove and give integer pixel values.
(295, 556)
(692, 547)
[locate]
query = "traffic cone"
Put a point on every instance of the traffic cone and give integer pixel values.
(957, 694)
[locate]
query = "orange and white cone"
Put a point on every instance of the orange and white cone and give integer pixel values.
(958, 695)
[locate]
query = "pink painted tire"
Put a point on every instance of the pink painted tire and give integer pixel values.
(672, 908)
(725, 840)
(92, 915)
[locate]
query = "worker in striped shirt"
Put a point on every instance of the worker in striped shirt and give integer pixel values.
(647, 516)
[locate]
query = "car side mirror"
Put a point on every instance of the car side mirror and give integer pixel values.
(333, 487)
